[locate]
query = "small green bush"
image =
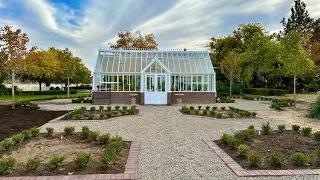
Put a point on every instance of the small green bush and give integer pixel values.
(191, 108)
(199, 107)
(124, 108)
(50, 131)
(224, 138)
(94, 135)
(27, 134)
(251, 130)
(104, 139)
(107, 159)
(109, 108)
(33, 164)
(117, 107)
(243, 150)
(7, 165)
(91, 117)
(204, 112)
(219, 115)
(299, 159)
(56, 161)
(117, 145)
(243, 135)
(18, 138)
(35, 131)
(255, 159)
(33, 106)
(233, 142)
(92, 108)
(101, 107)
(212, 113)
(278, 159)
(196, 112)
(103, 115)
(85, 132)
(69, 130)
(314, 110)
(82, 160)
(281, 128)
(223, 108)
(306, 131)
(214, 108)
(6, 143)
(266, 128)
(318, 156)
(295, 127)
(208, 108)
(231, 114)
(254, 114)
(316, 136)
(109, 115)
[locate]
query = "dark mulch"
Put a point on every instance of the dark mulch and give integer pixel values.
(288, 143)
(15, 121)
(65, 147)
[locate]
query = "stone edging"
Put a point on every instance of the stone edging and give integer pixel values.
(130, 171)
(239, 171)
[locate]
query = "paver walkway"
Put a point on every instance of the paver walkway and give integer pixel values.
(172, 144)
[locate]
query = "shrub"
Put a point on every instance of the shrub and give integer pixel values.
(295, 127)
(117, 145)
(199, 107)
(27, 134)
(318, 156)
(212, 113)
(314, 110)
(101, 107)
(281, 128)
(266, 128)
(316, 136)
(56, 161)
(103, 115)
(92, 108)
(35, 131)
(299, 159)
(231, 114)
(117, 108)
(82, 159)
(18, 138)
(69, 130)
(233, 142)
(92, 117)
(109, 108)
(107, 160)
(306, 131)
(214, 108)
(278, 159)
(50, 131)
(251, 130)
(109, 115)
(196, 112)
(204, 112)
(124, 108)
(254, 114)
(255, 159)
(94, 135)
(275, 106)
(208, 108)
(219, 115)
(123, 112)
(115, 113)
(191, 108)
(7, 165)
(85, 131)
(243, 150)
(6, 143)
(224, 138)
(33, 106)
(243, 135)
(104, 139)
(265, 91)
(223, 108)
(33, 164)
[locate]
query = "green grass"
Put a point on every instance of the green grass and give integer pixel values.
(40, 97)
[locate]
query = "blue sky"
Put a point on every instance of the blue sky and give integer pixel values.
(84, 26)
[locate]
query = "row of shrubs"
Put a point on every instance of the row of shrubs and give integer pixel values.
(265, 91)
(213, 113)
(113, 146)
(50, 92)
(278, 104)
(30, 105)
(81, 100)
(226, 100)
(86, 87)
(277, 158)
(80, 113)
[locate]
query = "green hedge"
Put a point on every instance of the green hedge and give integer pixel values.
(48, 92)
(265, 91)
(87, 87)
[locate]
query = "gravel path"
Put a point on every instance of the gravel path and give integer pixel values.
(172, 144)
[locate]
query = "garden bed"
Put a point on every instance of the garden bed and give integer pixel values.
(15, 121)
(100, 113)
(44, 148)
(286, 143)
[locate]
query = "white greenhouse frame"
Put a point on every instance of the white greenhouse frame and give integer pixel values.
(125, 70)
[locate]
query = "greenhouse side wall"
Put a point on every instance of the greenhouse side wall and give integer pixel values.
(103, 97)
(192, 97)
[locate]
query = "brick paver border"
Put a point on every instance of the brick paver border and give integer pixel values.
(130, 171)
(239, 171)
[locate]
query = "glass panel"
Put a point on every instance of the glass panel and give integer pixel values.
(161, 83)
(150, 83)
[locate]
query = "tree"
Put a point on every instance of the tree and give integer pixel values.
(134, 40)
(295, 59)
(229, 66)
(245, 33)
(299, 20)
(82, 74)
(43, 66)
(316, 32)
(13, 52)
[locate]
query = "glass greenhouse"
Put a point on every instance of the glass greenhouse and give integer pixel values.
(151, 76)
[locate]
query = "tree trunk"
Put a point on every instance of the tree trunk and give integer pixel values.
(230, 88)
(40, 85)
(294, 92)
(68, 88)
(12, 86)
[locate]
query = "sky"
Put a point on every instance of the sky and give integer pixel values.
(85, 25)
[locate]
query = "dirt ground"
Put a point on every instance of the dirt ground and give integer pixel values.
(46, 147)
(15, 121)
(288, 143)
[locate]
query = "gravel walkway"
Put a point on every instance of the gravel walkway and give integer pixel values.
(172, 144)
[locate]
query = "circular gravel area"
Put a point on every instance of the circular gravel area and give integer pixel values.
(172, 145)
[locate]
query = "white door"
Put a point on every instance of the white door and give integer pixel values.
(155, 89)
